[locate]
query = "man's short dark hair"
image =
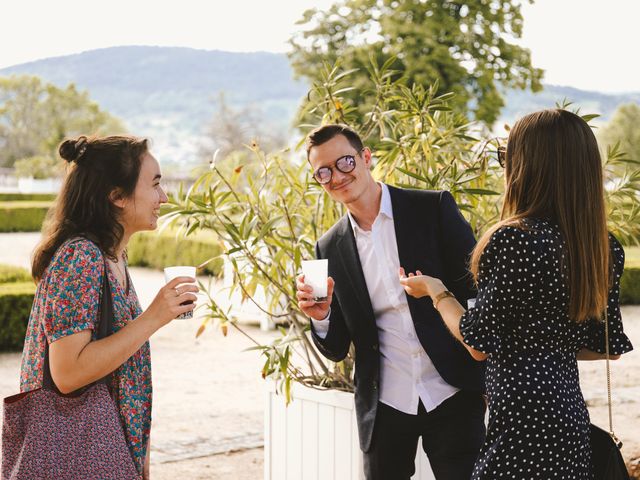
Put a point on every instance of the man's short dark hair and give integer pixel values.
(325, 133)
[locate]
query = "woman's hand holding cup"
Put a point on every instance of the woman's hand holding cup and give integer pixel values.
(176, 298)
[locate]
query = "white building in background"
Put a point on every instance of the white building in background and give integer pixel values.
(45, 185)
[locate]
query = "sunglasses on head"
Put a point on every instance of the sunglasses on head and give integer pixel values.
(502, 155)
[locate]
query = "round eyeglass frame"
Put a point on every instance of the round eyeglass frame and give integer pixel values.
(350, 166)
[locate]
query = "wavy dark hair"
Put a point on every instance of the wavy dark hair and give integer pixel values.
(553, 169)
(98, 166)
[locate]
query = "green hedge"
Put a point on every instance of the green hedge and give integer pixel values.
(25, 216)
(630, 281)
(149, 249)
(11, 274)
(15, 306)
(38, 197)
(630, 286)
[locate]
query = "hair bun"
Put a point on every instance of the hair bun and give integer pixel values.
(72, 150)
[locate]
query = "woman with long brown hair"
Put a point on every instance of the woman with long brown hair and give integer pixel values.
(545, 273)
(111, 191)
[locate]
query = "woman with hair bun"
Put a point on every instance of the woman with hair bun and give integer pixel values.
(548, 277)
(112, 190)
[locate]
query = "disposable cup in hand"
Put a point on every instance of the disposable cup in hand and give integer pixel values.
(182, 271)
(315, 275)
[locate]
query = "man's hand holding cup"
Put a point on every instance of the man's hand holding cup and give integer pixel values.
(318, 310)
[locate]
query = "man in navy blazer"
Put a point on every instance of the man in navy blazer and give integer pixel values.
(412, 378)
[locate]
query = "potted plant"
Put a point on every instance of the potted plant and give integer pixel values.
(267, 213)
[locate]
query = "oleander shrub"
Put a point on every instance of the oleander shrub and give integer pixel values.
(159, 250)
(15, 306)
(23, 216)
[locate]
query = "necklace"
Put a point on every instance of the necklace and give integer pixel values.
(122, 276)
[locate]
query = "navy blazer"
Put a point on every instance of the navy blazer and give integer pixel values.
(432, 237)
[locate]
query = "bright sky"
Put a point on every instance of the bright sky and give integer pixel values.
(586, 44)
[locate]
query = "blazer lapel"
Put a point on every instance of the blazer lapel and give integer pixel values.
(346, 244)
(411, 238)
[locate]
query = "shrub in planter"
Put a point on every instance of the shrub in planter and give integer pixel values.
(15, 306)
(269, 218)
(17, 216)
(150, 249)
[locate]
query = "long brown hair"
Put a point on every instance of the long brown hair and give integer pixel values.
(554, 170)
(98, 166)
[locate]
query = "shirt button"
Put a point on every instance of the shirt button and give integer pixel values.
(375, 347)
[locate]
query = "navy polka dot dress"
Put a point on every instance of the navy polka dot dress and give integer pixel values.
(538, 420)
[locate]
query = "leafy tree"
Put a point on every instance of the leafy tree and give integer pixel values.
(38, 167)
(36, 116)
(464, 47)
(233, 128)
(623, 130)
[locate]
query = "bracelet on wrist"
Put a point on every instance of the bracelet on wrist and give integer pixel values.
(439, 297)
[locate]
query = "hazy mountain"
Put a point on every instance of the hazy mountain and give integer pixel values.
(168, 93)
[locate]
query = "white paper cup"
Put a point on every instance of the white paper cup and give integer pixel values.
(315, 275)
(180, 271)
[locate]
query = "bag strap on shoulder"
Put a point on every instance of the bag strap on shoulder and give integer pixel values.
(104, 329)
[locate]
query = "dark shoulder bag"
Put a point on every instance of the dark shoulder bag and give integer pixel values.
(606, 458)
(50, 435)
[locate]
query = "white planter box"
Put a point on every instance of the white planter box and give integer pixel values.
(316, 438)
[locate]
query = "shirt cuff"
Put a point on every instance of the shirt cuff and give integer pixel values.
(321, 327)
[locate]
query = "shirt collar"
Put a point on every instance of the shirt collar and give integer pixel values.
(385, 209)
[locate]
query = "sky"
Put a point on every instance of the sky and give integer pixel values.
(586, 44)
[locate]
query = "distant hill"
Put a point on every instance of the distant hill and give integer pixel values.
(168, 93)
(520, 102)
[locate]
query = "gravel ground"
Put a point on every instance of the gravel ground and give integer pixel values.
(208, 393)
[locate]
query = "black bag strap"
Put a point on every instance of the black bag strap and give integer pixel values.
(104, 329)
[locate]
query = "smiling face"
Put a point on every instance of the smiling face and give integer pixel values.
(349, 187)
(141, 210)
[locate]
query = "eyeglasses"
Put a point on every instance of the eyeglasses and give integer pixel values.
(344, 164)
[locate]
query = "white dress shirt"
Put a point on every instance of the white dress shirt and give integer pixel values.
(407, 374)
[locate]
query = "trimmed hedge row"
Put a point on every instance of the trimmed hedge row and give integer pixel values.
(11, 274)
(25, 197)
(16, 216)
(630, 286)
(149, 249)
(630, 281)
(15, 306)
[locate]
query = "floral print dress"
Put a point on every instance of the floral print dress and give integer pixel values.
(67, 301)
